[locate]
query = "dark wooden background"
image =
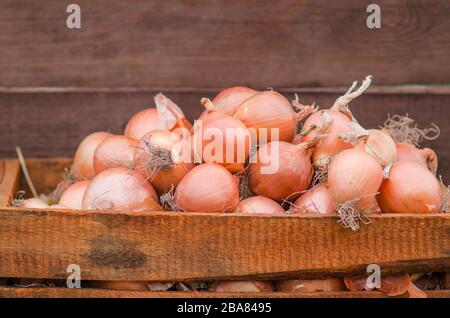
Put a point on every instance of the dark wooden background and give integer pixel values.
(57, 85)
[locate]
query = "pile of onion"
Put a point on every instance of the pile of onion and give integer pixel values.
(114, 151)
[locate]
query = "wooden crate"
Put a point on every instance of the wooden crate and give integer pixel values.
(176, 246)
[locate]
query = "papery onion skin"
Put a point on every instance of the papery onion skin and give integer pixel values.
(318, 200)
(207, 188)
(425, 157)
(311, 286)
(381, 146)
(72, 197)
(83, 162)
(142, 123)
(119, 189)
(34, 203)
(331, 144)
(294, 173)
(115, 151)
(269, 110)
(354, 175)
(234, 138)
(164, 174)
(242, 287)
(259, 205)
(120, 285)
(410, 188)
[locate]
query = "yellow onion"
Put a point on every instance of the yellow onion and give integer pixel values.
(425, 157)
(118, 189)
(381, 146)
(281, 170)
(157, 157)
(241, 287)
(83, 162)
(34, 203)
(207, 188)
(409, 188)
(222, 139)
(114, 151)
(228, 100)
(311, 286)
(259, 205)
(72, 197)
(269, 110)
(316, 200)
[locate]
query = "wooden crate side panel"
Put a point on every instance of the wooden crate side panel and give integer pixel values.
(287, 43)
(9, 180)
(181, 246)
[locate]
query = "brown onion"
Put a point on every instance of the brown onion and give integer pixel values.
(83, 162)
(158, 158)
(316, 200)
(311, 286)
(281, 171)
(242, 287)
(207, 188)
(381, 146)
(425, 157)
(259, 205)
(72, 197)
(120, 189)
(114, 151)
(409, 188)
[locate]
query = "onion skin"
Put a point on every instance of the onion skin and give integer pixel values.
(114, 151)
(242, 287)
(269, 110)
(83, 162)
(410, 188)
(72, 197)
(259, 205)
(354, 175)
(234, 137)
(207, 188)
(120, 285)
(311, 286)
(381, 146)
(317, 201)
(34, 203)
(294, 173)
(425, 157)
(331, 144)
(162, 178)
(120, 189)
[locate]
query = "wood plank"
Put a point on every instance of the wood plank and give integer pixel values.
(287, 43)
(9, 180)
(12, 292)
(51, 124)
(165, 246)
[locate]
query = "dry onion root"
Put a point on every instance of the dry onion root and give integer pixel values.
(405, 130)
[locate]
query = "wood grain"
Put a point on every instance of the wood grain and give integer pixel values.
(287, 43)
(12, 292)
(165, 246)
(52, 123)
(9, 180)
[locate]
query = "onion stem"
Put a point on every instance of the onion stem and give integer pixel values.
(26, 173)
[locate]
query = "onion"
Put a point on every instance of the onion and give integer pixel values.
(425, 157)
(207, 188)
(114, 151)
(166, 116)
(34, 203)
(83, 162)
(222, 139)
(158, 158)
(409, 188)
(120, 285)
(268, 111)
(72, 197)
(120, 189)
(242, 287)
(228, 100)
(281, 171)
(259, 205)
(316, 200)
(354, 178)
(381, 146)
(311, 286)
